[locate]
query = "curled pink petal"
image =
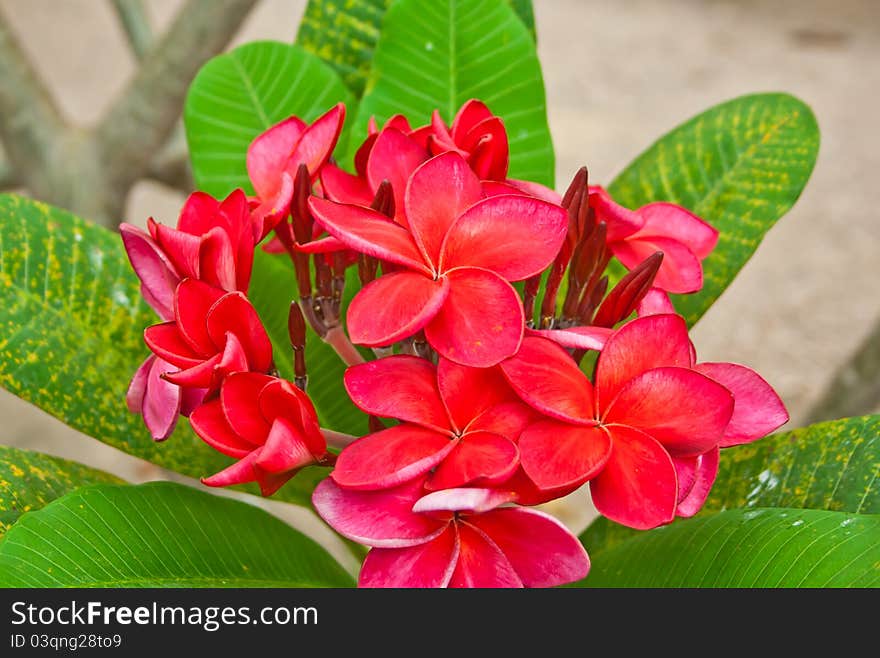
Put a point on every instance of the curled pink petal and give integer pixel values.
(463, 500)
(430, 564)
(705, 470)
(582, 338)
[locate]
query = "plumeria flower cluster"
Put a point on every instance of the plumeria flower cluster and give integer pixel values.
(510, 370)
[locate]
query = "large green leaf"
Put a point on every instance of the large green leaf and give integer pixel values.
(71, 336)
(239, 94)
(30, 480)
(740, 166)
(273, 286)
(829, 466)
(441, 54)
(765, 547)
(344, 34)
(160, 535)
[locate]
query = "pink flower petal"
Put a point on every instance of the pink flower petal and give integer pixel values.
(536, 190)
(508, 419)
(638, 486)
(376, 518)
(468, 499)
(161, 406)
(514, 236)
(318, 141)
(479, 459)
(137, 388)
(497, 188)
(640, 345)
(680, 271)
(209, 423)
(556, 455)
(582, 338)
(240, 396)
(664, 219)
(341, 186)
(268, 154)
(481, 321)
(655, 302)
(157, 275)
(273, 209)
(467, 392)
(285, 449)
(437, 193)
(481, 563)
(394, 157)
(390, 457)
(545, 377)
(621, 222)
(426, 565)
(542, 551)
(369, 232)
(705, 470)
(528, 493)
(682, 409)
(234, 314)
(402, 387)
(757, 409)
(394, 307)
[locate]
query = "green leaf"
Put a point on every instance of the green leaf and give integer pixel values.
(239, 94)
(776, 547)
(273, 286)
(30, 480)
(441, 54)
(160, 535)
(740, 166)
(829, 466)
(344, 34)
(71, 336)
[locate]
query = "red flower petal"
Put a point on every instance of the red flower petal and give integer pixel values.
(489, 149)
(427, 565)
(655, 302)
(192, 302)
(582, 338)
(682, 409)
(240, 395)
(240, 472)
(481, 321)
(437, 193)
(204, 374)
(285, 449)
(704, 469)
(481, 563)
(165, 341)
(671, 221)
(535, 189)
(268, 154)
(621, 222)
(402, 387)
(556, 455)
(480, 459)
(463, 500)
(640, 345)
(390, 457)
(394, 157)
(394, 307)
(514, 236)
(369, 232)
(217, 262)
(318, 141)
(281, 399)
(376, 518)
(680, 271)
(468, 392)
(638, 486)
(757, 409)
(469, 115)
(527, 492)
(198, 213)
(341, 186)
(234, 314)
(508, 419)
(544, 376)
(542, 551)
(209, 422)
(182, 249)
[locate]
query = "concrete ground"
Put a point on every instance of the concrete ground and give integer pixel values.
(618, 75)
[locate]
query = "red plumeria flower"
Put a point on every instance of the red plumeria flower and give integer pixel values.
(477, 135)
(275, 155)
(451, 538)
(159, 401)
(266, 423)
(461, 423)
(633, 235)
(214, 333)
(454, 262)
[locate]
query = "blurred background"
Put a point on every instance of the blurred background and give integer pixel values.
(618, 75)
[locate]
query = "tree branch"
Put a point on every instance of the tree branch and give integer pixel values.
(8, 177)
(30, 123)
(171, 164)
(142, 118)
(855, 387)
(133, 16)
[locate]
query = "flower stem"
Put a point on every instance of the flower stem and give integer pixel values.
(337, 439)
(339, 341)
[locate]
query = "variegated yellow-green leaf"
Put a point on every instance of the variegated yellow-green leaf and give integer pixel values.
(239, 94)
(160, 535)
(71, 336)
(437, 55)
(740, 166)
(763, 547)
(29, 480)
(829, 466)
(344, 34)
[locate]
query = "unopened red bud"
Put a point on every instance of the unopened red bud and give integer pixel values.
(299, 206)
(628, 292)
(383, 201)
